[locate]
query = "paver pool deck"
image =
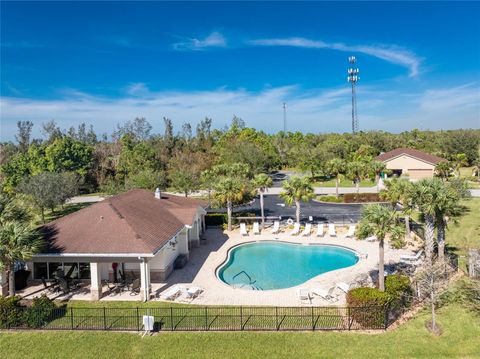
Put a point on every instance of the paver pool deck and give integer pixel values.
(201, 269)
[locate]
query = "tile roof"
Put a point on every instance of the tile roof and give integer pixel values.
(132, 222)
(426, 157)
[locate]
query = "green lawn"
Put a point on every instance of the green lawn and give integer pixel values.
(467, 232)
(343, 183)
(461, 331)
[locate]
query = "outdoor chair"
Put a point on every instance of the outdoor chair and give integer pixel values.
(320, 230)
(171, 293)
(135, 288)
(371, 239)
(276, 227)
(308, 229)
(296, 229)
(304, 294)
(344, 287)
(64, 287)
(351, 231)
(411, 258)
(189, 294)
(256, 228)
(112, 288)
(325, 294)
(243, 229)
(331, 230)
(52, 288)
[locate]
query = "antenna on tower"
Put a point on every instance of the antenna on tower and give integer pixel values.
(353, 79)
(284, 117)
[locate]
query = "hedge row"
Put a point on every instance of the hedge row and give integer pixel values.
(361, 197)
(34, 316)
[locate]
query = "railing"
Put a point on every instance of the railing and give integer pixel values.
(199, 318)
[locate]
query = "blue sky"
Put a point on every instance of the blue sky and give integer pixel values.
(107, 62)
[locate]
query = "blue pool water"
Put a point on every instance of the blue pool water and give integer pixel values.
(275, 265)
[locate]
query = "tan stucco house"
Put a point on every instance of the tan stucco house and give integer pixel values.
(410, 162)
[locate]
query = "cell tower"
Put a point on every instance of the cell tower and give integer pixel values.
(353, 79)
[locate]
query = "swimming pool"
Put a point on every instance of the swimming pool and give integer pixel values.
(275, 265)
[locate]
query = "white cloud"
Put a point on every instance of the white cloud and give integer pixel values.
(321, 110)
(215, 39)
(390, 53)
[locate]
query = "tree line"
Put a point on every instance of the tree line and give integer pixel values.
(134, 157)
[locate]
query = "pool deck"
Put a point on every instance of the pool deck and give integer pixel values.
(201, 269)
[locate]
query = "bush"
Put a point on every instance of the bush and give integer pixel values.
(398, 286)
(361, 197)
(216, 219)
(368, 306)
(10, 314)
(40, 313)
(332, 199)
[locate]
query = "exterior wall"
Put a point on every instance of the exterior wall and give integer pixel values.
(409, 164)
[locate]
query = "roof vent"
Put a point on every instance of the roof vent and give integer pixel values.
(158, 194)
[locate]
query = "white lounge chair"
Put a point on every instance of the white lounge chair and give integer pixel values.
(351, 231)
(304, 294)
(243, 229)
(371, 239)
(171, 293)
(308, 229)
(344, 287)
(331, 230)
(325, 294)
(256, 228)
(276, 227)
(296, 229)
(189, 294)
(411, 258)
(320, 230)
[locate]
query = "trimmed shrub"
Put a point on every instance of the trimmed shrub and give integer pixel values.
(216, 219)
(10, 314)
(332, 199)
(398, 286)
(368, 306)
(40, 313)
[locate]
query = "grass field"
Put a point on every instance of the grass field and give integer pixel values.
(466, 234)
(460, 336)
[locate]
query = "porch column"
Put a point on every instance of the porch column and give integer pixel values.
(95, 281)
(203, 223)
(3, 283)
(145, 280)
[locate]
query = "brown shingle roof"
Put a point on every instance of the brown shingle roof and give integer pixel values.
(426, 157)
(132, 222)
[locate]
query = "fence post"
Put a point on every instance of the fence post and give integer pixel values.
(206, 318)
(104, 319)
(71, 317)
(171, 317)
(241, 318)
(349, 319)
(313, 323)
(387, 310)
(138, 321)
(276, 318)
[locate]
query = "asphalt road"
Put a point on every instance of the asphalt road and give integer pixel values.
(327, 212)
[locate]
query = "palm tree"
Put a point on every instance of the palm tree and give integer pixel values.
(380, 221)
(443, 170)
(396, 191)
(295, 190)
(460, 160)
(262, 182)
(356, 171)
(227, 192)
(19, 241)
(424, 195)
(336, 167)
(377, 168)
(447, 208)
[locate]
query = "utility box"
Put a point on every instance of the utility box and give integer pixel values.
(148, 321)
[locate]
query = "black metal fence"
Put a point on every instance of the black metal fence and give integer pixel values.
(200, 318)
